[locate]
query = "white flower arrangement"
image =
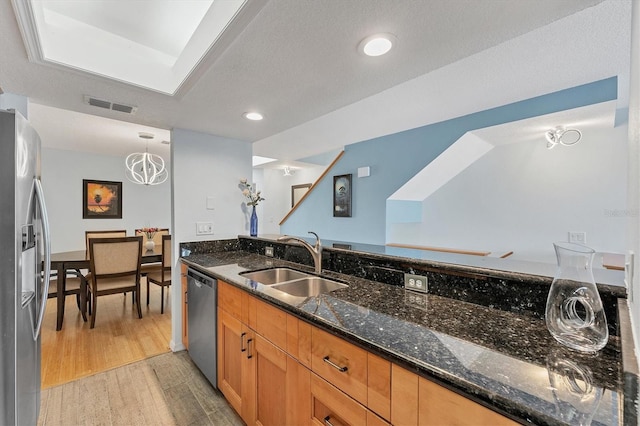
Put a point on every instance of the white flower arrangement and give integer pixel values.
(247, 191)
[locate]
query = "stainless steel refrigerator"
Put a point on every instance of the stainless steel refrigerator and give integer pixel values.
(24, 281)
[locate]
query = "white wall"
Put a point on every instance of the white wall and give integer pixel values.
(62, 175)
(204, 166)
(276, 189)
(18, 102)
(633, 226)
(494, 203)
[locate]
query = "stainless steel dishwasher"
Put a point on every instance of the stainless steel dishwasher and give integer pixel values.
(202, 303)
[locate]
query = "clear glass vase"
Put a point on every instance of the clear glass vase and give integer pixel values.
(574, 313)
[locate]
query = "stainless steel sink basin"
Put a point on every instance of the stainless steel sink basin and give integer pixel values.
(310, 286)
(274, 276)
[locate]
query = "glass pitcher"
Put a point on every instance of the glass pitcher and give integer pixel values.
(574, 313)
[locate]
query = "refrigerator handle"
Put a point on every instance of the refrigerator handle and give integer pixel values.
(47, 256)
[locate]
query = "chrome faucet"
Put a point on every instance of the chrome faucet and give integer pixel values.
(316, 250)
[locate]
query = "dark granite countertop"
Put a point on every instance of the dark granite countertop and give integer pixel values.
(501, 359)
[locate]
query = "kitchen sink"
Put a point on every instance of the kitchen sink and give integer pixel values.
(274, 276)
(309, 286)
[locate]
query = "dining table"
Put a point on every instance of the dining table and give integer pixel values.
(79, 259)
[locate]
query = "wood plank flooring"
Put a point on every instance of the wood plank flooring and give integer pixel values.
(119, 337)
(167, 389)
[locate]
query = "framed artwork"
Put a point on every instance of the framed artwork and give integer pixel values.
(101, 199)
(298, 191)
(342, 196)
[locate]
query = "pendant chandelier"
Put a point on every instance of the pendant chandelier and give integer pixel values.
(144, 168)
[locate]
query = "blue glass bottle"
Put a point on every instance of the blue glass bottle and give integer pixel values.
(253, 231)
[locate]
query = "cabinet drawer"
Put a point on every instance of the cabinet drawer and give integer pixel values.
(340, 363)
(230, 299)
(330, 405)
(271, 323)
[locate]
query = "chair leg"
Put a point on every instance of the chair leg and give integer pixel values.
(162, 299)
(95, 308)
(81, 306)
(137, 292)
(147, 291)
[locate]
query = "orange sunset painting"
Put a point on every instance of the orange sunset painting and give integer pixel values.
(102, 199)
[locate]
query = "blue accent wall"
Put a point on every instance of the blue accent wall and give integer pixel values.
(396, 158)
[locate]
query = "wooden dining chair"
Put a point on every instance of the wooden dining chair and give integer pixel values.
(115, 268)
(162, 275)
(103, 234)
(108, 233)
(75, 283)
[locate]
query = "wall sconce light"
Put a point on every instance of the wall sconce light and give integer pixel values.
(288, 171)
(562, 136)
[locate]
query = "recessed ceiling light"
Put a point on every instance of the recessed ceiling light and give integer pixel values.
(145, 135)
(377, 45)
(254, 116)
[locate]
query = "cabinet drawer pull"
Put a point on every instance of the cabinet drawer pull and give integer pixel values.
(249, 356)
(334, 365)
(242, 348)
(327, 421)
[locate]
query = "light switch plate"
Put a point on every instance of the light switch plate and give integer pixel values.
(204, 228)
(268, 251)
(211, 203)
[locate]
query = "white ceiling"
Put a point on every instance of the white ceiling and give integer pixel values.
(296, 61)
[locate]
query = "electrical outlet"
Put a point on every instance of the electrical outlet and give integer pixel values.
(417, 300)
(578, 237)
(268, 251)
(415, 282)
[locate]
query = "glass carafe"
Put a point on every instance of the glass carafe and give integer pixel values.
(574, 313)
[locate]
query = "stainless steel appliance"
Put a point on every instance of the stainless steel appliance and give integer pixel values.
(202, 299)
(24, 283)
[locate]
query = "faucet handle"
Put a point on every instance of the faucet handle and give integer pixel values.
(318, 243)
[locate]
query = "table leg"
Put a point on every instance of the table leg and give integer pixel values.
(62, 278)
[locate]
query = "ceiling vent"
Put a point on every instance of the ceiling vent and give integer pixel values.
(101, 103)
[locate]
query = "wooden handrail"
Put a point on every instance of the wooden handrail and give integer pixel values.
(335, 160)
(442, 249)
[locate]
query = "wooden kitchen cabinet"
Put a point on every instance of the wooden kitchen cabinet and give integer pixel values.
(329, 405)
(418, 401)
(185, 316)
(260, 380)
(277, 386)
(232, 340)
(275, 369)
(340, 363)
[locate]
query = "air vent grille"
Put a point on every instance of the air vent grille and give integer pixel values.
(101, 103)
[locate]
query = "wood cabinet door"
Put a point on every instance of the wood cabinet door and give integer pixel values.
(278, 390)
(232, 339)
(329, 405)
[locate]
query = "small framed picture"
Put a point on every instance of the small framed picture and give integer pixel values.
(101, 199)
(342, 196)
(298, 191)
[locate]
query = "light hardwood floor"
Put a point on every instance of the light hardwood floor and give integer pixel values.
(119, 337)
